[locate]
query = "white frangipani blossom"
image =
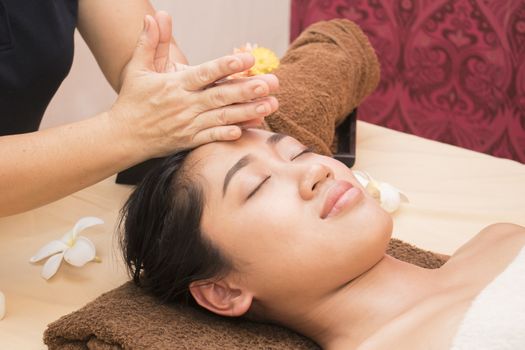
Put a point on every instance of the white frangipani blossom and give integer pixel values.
(74, 249)
(389, 197)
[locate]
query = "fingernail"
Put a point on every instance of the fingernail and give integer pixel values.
(261, 108)
(234, 132)
(259, 90)
(245, 55)
(235, 64)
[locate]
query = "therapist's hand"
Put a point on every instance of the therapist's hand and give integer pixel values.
(168, 56)
(161, 112)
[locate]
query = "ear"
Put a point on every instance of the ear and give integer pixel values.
(221, 297)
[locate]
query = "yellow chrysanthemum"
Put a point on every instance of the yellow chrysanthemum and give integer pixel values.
(265, 61)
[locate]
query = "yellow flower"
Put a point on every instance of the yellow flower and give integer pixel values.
(265, 61)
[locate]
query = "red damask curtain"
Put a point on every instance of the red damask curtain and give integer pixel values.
(452, 71)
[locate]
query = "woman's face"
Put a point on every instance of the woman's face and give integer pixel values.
(294, 222)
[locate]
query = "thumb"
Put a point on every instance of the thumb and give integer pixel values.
(144, 54)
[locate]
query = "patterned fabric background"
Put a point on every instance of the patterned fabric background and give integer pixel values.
(452, 71)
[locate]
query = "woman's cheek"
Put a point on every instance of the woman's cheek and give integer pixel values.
(271, 212)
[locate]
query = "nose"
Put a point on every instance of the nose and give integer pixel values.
(312, 179)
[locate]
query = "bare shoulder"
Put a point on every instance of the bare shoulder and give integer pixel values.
(430, 325)
(486, 255)
(502, 229)
(495, 237)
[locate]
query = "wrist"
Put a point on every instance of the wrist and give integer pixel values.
(126, 140)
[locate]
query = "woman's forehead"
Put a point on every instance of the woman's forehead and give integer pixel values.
(210, 158)
(249, 137)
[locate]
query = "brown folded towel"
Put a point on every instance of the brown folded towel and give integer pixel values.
(310, 107)
(126, 318)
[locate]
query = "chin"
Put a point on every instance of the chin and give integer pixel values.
(379, 234)
(386, 225)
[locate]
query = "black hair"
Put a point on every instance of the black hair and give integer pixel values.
(160, 236)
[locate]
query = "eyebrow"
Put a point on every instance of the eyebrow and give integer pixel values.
(247, 159)
(275, 138)
(241, 163)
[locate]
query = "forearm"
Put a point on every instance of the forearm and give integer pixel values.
(111, 29)
(153, 116)
(38, 168)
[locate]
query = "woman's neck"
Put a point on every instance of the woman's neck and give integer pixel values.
(357, 310)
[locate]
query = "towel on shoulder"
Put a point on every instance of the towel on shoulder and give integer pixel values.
(496, 317)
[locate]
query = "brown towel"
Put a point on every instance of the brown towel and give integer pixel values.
(126, 318)
(327, 71)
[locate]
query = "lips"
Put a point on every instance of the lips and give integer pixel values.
(340, 194)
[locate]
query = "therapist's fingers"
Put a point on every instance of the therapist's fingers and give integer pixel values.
(144, 55)
(274, 105)
(199, 77)
(219, 133)
(270, 79)
(245, 114)
(227, 94)
(162, 54)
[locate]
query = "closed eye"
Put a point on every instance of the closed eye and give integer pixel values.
(307, 150)
(258, 187)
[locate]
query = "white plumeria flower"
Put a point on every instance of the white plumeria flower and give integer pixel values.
(2, 305)
(74, 249)
(389, 197)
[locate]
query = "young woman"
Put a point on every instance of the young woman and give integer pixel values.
(263, 227)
